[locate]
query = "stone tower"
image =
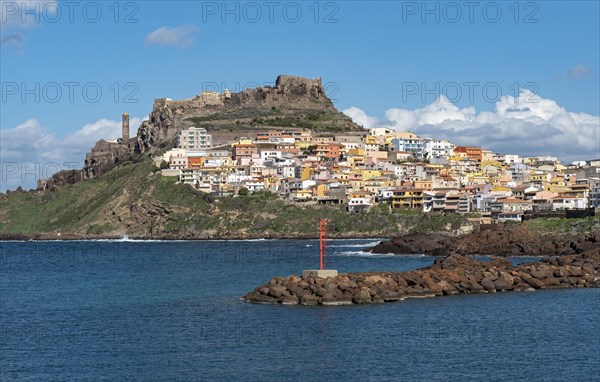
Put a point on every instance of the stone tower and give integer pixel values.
(125, 133)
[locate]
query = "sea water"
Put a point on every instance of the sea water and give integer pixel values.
(171, 311)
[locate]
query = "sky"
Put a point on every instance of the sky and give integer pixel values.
(513, 77)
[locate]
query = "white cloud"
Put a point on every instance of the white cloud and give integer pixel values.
(181, 36)
(29, 152)
(526, 125)
(360, 117)
(578, 72)
(18, 17)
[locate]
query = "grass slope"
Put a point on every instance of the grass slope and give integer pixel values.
(133, 199)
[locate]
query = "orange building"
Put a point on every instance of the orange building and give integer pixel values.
(244, 151)
(195, 161)
(328, 150)
(470, 152)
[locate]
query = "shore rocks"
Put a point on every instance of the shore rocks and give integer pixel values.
(451, 275)
(500, 240)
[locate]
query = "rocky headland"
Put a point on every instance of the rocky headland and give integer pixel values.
(497, 240)
(293, 102)
(452, 275)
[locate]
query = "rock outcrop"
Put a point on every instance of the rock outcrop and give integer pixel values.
(291, 96)
(451, 275)
(293, 99)
(514, 240)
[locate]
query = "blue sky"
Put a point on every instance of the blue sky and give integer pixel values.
(378, 60)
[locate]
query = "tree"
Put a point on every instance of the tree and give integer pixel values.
(243, 191)
(164, 165)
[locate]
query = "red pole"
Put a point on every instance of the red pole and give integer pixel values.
(324, 243)
(321, 244)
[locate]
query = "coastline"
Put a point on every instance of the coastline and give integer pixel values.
(44, 237)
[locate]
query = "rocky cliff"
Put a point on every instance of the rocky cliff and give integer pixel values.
(294, 97)
(292, 102)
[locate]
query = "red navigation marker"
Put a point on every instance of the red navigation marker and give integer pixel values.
(322, 242)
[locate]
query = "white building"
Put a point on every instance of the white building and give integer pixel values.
(512, 159)
(194, 138)
(435, 148)
(266, 154)
(178, 162)
(409, 142)
(167, 157)
(569, 203)
(594, 195)
(380, 131)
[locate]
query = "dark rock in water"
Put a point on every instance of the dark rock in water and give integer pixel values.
(476, 288)
(362, 297)
(390, 295)
(516, 240)
(454, 274)
(502, 284)
(278, 291)
(309, 300)
(535, 283)
(290, 300)
(488, 285)
(522, 287)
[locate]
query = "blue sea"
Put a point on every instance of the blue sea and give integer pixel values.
(171, 311)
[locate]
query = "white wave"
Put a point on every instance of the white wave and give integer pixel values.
(362, 254)
(356, 245)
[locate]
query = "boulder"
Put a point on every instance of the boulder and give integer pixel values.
(503, 284)
(297, 291)
(534, 283)
(309, 299)
(488, 285)
(362, 297)
(390, 295)
(263, 290)
(541, 274)
(447, 288)
(401, 281)
(576, 272)
(376, 279)
(476, 288)
(551, 282)
(263, 299)
(277, 291)
(290, 300)
(524, 287)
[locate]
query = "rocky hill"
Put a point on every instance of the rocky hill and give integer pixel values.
(294, 102)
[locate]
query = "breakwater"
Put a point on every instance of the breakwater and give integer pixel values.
(451, 275)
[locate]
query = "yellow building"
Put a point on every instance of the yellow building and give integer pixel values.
(370, 174)
(306, 173)
(302, 195)
(407, 198)
(320, 190)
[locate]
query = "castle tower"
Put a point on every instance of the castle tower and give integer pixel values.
(125, 132)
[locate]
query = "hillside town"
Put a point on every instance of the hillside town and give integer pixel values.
(382, 166)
